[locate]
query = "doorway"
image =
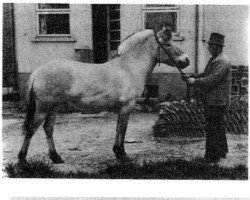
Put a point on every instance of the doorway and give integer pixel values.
(106, 31)
(100, 29)
(9, 55)
(10, 71)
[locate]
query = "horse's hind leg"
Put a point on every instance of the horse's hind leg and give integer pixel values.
(49, 128)
(30, 126)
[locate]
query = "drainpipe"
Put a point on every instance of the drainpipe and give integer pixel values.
(196, 58)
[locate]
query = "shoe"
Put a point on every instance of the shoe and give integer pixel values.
(223, 156)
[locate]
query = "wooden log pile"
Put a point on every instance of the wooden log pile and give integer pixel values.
(182, 118)
(237, 117)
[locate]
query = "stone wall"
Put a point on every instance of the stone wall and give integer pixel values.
(239, 81)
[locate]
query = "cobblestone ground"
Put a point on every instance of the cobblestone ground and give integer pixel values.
(85, 142)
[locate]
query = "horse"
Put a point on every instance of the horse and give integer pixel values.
(118, 83)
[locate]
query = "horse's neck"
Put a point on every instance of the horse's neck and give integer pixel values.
(142, 58)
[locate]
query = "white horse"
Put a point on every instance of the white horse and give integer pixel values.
(118, 83)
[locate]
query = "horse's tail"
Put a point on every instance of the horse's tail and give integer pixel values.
(30, 109)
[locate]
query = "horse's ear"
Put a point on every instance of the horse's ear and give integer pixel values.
(165, 34)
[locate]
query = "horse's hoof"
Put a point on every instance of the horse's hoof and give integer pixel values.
(22, 158)
(22, 161)
(123, 159)
(55, 158)
(120, 153)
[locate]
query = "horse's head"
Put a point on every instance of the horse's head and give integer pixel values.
(169, 54)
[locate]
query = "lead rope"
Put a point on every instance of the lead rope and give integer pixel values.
(188, 86)
(159, 56)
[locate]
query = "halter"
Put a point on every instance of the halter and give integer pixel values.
(162, 46)
(171, 58)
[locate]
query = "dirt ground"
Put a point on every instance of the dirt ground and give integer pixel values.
(85, 142)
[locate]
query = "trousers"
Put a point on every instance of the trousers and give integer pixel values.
(216, 141)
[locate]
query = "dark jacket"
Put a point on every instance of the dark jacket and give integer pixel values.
(216, 81)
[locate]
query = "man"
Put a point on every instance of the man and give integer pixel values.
(215, 82)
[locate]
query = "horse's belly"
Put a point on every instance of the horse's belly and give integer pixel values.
(96, 103)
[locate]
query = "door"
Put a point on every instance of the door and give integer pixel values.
(106, 31)
(99, 16)
(9, 56)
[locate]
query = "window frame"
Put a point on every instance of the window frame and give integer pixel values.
(47, 11)
(162, 9)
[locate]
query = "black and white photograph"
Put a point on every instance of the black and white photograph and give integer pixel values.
(124, 91)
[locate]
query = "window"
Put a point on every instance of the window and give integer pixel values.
(53, 19)
(155, 16)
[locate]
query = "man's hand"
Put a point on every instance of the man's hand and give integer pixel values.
(190, 81)
(184, 77)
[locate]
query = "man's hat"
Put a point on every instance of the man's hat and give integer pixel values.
(216, 38)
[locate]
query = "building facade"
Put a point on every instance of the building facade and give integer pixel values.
(91, 33)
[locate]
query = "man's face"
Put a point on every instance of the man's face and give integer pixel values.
(214, 49)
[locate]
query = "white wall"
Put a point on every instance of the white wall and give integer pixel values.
(32, 54)
(232, 21)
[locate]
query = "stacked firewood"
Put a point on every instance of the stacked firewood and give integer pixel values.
(237, 117)
(182, 118)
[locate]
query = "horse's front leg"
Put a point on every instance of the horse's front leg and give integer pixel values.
(121, 128)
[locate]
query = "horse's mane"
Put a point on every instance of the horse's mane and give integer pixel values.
(132, 40)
